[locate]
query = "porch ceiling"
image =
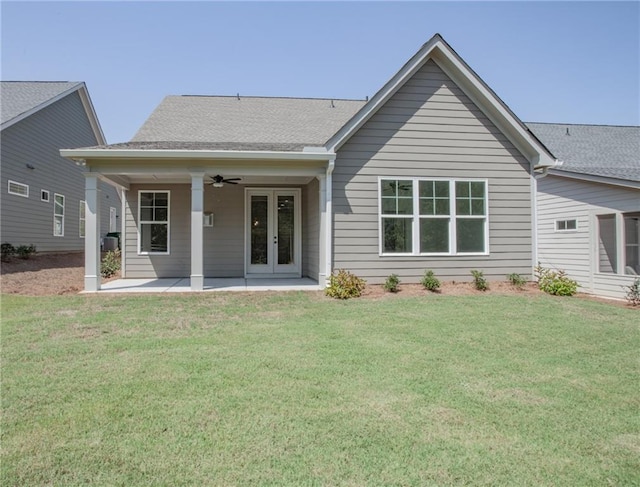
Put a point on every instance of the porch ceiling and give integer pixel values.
(245, 180)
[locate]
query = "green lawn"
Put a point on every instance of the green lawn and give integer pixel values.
(296, 389)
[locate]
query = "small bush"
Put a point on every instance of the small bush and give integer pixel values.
(430, 281)
(7, 251)
(479, 282)
(555, 282)
(517, 280)
(110, 263)
(344, 285)
(391, 284)
(25, 251)
(633, 292)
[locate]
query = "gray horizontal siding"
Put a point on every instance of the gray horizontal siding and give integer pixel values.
(565, 199)
(430, 128)
(36, 141)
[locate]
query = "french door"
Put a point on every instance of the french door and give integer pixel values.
(272, 229)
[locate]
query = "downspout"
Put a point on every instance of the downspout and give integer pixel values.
(329, 220)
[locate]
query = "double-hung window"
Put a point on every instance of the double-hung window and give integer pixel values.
(58, 215)
(420, 216)
(153, 218)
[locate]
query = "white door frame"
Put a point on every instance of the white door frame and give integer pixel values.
(271, 270)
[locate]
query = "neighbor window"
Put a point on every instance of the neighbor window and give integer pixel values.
(433, 216)
(58, 215)
(153, 216)
(113, 224)
(44, 195)
(83, 220)
(564, 225)
(18, 189)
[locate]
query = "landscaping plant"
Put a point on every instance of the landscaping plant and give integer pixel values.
(7, 251)
(25, 251)
(555, 282)
(633, 292)
(430, 281)
(517, 280)
(479, 282)
(345, 285)
(110, 263)
(391, 284)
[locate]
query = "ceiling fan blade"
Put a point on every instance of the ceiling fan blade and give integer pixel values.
(232, 179)
(228, 181)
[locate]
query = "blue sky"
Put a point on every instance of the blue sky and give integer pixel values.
(569, 62)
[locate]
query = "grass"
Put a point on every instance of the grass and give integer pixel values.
(296, 389)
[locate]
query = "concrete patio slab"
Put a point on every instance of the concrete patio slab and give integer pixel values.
(183, 285)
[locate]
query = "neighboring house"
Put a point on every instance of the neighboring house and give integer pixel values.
(433, 172)
(42, 193)
(589, 207)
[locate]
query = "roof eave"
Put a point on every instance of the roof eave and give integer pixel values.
(627, 183)
(307, 154)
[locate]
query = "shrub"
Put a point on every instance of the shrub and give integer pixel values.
(391, 284)
(7, 251)
(479, 282)
(25, 251)
(430, 281)
(344, 285)
(110, 263)
(517, 280)
(633, 292)
(555, 282)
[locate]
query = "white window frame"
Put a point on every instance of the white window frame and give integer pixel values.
(168, 222)
(55, 205)
(16, 183)
(415, 218)
(558, 222)
(113, 219)
(82, 218)
(45, 192)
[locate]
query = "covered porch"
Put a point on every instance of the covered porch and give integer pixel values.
(182, 230)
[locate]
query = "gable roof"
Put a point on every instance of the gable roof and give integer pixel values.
(597, 150)
(245, 122)
(474, 87)
(20, 99)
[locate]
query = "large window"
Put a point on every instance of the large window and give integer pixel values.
(58, 215)
(433, 216)
(615, 259)
(153, 217)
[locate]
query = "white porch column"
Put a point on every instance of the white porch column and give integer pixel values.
(92, 234)
(322, 247)
(197, 232)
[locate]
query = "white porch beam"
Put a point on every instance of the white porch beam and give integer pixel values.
(197, 231)
(322, 248)
(121, 169)
(92, 234)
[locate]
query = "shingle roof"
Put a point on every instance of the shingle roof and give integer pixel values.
(295, 122)
(18, 97)
(597, 150)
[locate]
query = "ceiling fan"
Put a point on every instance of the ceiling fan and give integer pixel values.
(218, 181)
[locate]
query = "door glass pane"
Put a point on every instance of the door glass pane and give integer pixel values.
(632, 243)
(286, 225)
(259, 229)
(607, 245)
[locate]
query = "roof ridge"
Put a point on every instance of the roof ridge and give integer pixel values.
(585, 124)
(274, 97)
(38, 81)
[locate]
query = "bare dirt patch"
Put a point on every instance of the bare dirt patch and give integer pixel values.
(43, 274)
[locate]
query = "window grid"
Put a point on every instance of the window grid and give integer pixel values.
(452, 218)
(44, 196)
(156, 215)
(566, 225)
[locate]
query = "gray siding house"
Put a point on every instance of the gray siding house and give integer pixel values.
(433, 172)
(589, 206)
(41, 193)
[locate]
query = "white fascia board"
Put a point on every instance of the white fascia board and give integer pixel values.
(91, 114)
(194, 154)
(42, 105)
(595, 179)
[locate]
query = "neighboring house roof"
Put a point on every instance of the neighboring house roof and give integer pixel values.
(19, 99)
(594, 150)
(244, 123)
